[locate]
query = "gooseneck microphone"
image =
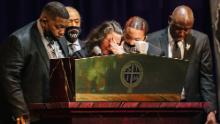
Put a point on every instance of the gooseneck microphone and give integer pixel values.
(97, 51)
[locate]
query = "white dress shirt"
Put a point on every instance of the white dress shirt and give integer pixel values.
(170, 54)
(73, 47)
(171, 44)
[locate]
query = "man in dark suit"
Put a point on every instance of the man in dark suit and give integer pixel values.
(24, 62)
(180, 41)
(135, 39)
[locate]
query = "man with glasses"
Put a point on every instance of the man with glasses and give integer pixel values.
(180, 41)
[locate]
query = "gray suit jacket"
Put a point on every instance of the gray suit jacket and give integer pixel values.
(24, 69)
(199, 85)
(156, 51)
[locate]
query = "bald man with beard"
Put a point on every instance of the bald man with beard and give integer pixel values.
(180, 41)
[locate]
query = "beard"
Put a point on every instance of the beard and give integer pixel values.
(49, 36)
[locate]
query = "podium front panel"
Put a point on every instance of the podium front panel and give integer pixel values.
(129, 77)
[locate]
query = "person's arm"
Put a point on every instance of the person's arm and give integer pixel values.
(208, 87)
(12, 64)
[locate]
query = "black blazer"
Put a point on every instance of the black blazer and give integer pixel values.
(199, 85)
(24, 69)
(156, 51)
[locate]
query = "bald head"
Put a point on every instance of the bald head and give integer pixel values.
(181, 22)
(74, 19)
(182, 16)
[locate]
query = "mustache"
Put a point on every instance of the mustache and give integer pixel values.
(49, 36)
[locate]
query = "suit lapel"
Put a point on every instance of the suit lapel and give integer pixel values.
(189, 46)
(64, 47)
(37, 39)
(164, 42)
(82, 43)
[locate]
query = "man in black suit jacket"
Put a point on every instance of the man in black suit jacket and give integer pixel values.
(24, 62)
(135, 39)
(193, 46)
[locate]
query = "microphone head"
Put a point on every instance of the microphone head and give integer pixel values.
(72, 33)
(97, 51)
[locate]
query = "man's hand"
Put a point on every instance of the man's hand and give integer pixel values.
(211, 118)
(23, 120)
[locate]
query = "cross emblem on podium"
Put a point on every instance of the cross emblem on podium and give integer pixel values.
(131, 75)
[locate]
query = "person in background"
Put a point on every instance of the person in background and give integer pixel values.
(135, 37)
(24, 68)
(180, 41)
(73, 31)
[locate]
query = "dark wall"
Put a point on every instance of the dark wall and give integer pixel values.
(20, 12)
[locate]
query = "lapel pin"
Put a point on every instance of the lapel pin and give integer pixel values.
(188, 46)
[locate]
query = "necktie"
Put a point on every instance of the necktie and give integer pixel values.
(52, 53)
(71, 50)
(176, 51)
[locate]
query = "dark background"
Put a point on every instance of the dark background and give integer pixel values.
(20, 12)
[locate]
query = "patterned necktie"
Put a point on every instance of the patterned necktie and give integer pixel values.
(52, 52)
(71, 50)
(176, 51)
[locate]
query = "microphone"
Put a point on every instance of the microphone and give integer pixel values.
(97, 51)
(72, 33)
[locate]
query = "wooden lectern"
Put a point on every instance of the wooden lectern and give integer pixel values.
(127, 77)
(120, 112)
(115, 90)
